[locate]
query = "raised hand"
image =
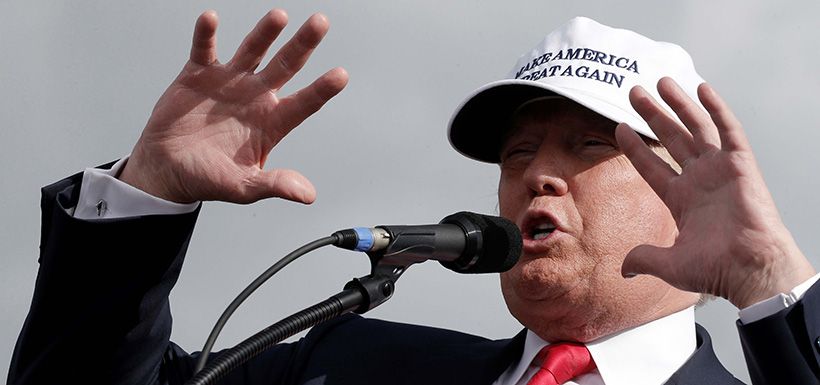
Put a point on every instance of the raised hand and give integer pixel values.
(731, 241)
(211, 131)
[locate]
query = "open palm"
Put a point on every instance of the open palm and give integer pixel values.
(211, 131)
(731, 241)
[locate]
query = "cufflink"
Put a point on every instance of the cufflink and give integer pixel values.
(102, 207)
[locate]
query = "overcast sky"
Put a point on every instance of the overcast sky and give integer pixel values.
(78, 81)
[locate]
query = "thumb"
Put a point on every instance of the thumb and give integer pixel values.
(645, 259)
(281, 183)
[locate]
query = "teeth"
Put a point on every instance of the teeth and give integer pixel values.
(545, 226)
(542, 231)
(540, 236)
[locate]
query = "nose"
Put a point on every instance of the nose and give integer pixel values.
(544, 176)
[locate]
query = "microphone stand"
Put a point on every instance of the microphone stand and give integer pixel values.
(359, 295)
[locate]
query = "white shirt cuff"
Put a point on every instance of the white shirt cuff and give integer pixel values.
(777, 303)
(103, 196)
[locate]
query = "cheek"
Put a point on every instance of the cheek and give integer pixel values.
(509, 196)
(653, 219)
(620, 211)
(646, 216)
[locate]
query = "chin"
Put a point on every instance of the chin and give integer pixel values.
(557, 322)
(564, 310)
(566, 318)
(541, 281)
(556, 309)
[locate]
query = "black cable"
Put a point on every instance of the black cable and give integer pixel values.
(229, 360)
(220, 323)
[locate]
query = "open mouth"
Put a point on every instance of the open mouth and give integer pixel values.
(541, 231)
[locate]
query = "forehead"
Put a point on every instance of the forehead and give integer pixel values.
(541, 114)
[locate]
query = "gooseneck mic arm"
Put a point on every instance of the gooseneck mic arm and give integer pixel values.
(267, 274)
(463, 242)
(359, 295)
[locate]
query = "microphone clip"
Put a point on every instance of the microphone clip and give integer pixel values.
(377, 287)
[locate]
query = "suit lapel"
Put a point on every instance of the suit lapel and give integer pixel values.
(485, 361)
(703, 366)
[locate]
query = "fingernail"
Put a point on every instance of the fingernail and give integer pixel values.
(630, 275)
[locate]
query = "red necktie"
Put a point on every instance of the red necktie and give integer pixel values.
(561, 362)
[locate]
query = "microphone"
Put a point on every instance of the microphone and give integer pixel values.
(464, 242)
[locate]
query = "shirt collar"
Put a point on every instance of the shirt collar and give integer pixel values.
(646, 354)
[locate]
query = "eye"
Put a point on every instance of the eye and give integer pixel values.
(516, 152)
(594, 147)
(592, 142)
(596, 143)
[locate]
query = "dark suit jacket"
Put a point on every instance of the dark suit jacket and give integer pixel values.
(100, 314)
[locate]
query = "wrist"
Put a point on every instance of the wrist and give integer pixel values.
(147, 179)
(780, 276)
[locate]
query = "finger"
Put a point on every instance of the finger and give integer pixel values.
(646, 259)
(293, 55)
(652, 168)
(280, 183)
(675, 138)
(256, 44)
(693, 117)
(203, 47)
(297, 107)
(732, 137)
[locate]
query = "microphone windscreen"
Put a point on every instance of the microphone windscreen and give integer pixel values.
(494, 243)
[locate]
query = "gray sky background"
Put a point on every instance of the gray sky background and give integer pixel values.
(78, 81)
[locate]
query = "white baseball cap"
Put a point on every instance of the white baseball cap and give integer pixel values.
(583, 60)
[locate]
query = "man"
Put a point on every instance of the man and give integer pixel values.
(594, 202)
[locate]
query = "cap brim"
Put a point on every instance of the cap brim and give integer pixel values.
(477, 126)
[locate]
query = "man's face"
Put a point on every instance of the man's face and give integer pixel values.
(581, 208)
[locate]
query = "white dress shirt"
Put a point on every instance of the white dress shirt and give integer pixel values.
(647, 354)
